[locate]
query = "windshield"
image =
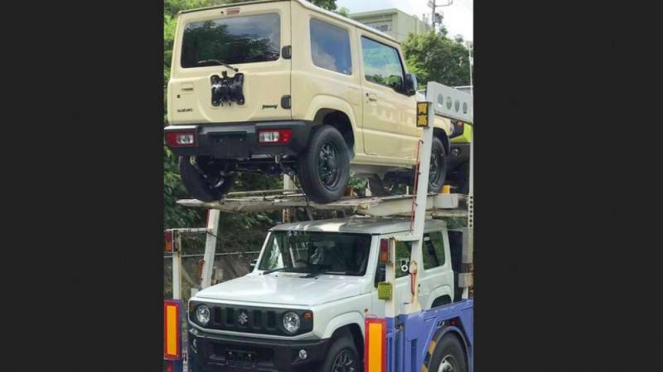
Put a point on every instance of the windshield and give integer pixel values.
(317, 252)
(255, 38)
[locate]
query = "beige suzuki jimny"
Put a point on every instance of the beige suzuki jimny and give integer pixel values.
(285, 87)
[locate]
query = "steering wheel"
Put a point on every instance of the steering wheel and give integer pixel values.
(305, 262)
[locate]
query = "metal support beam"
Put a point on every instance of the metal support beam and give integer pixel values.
(177, 266)
(288, 214)
(417, 233)
(210, 246)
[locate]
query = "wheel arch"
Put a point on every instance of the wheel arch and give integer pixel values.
(352, 323)
(450, 331)
(325, 109)
(438, 293)
(442, 135)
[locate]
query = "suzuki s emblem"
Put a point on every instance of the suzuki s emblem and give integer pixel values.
(243, 318)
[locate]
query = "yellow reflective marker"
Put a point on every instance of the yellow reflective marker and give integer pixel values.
(172, 330)
(376, 342)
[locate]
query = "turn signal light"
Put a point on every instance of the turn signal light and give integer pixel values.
(384, 251)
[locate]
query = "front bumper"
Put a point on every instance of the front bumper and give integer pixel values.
(220, 353)
(240, 140)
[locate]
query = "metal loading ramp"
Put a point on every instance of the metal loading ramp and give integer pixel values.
(440, 205)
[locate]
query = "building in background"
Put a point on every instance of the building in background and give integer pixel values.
(392, 22)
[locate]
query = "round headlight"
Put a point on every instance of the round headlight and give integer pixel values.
(291, 322)
(202, 314)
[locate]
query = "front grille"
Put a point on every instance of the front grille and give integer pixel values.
(249, 319)
(243, 319)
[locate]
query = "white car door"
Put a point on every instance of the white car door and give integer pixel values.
(437, 277)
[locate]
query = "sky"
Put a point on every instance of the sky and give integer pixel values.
(458, 17)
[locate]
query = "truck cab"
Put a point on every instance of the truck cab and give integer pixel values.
(304, 305)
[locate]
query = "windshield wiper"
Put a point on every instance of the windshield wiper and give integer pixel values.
(316, 273)
(221, 63)
(275, 270)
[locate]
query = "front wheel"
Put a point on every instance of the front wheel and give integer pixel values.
(205, 179)
(342, 356)
(448, 356)
(323, 168)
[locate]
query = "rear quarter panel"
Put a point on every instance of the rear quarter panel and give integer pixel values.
(315, 88)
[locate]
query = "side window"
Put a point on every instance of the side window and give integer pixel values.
(382, 64)
(330, 47)
(433, 250)
(403, 252)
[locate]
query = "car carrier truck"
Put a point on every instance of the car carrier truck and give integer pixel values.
(377, 292)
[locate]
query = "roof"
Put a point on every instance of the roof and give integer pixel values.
(358, 225)
(373, 13)
(305, 4)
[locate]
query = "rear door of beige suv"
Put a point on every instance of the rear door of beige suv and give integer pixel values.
(388, 115)
(249, 37)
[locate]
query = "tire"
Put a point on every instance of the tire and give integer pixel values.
(376, 186)
(438, 167)
(335, 356)
(323, 168)
(463, 178)
(199, 184)
(448, 356)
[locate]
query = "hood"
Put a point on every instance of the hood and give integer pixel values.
(284, 289)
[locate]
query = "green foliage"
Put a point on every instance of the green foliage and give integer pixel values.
(434, 57)
(326, 4)
(345, 12)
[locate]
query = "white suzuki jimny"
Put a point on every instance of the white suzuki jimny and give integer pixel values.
(286, 87)
(303, 306)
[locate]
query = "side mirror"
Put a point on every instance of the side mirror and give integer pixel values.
(410, 85)
(253, 264)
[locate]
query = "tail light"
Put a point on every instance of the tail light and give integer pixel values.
(384, 251)
(274, 136)
(169, 240)
(457, 127)
(177, 139)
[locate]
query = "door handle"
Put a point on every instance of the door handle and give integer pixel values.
(372, 97)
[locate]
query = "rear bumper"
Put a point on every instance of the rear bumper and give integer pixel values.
(240, 140)
(217, 353)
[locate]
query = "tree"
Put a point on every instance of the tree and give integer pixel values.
(326, 4)
(434, 57)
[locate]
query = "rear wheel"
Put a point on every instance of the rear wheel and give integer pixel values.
(204, 178)
(448, 356)
(438, 167)
(342, 356)
(323, 168)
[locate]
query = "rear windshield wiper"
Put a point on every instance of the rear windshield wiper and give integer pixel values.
(221, 63)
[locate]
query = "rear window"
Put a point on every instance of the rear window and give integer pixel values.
(236, 40)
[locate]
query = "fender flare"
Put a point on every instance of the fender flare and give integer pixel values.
(342, 320)
(439, 292)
